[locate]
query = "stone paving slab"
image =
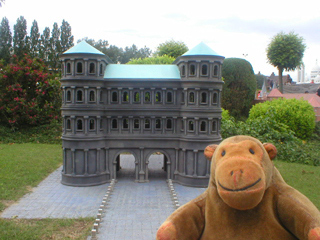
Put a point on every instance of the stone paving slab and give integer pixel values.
(51, 199)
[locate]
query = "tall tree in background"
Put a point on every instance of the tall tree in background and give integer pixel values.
(66, 38)
(34, 40)
(5, 40)
(55, 49)
(134, 52)
(172, 48)
(20, 40)
(45, 45)
(285, 52)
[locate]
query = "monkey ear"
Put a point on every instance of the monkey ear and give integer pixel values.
(209, 150)
(271, 150)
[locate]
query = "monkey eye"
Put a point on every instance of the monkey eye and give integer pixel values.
(223, 153)
(251, 151)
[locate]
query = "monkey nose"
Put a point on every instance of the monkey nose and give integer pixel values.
(236, 174)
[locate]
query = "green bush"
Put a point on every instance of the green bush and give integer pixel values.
(29, 95)
(240, 86)
(266, 129)
(298, 115)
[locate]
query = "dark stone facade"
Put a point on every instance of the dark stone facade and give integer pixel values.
(106, 114)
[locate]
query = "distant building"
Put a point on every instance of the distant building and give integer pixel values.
(315, 73)
(273, 81)
(109, 109)
(301, 74)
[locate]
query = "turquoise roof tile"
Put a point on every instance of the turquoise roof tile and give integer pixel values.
(201, 49)
(83, 47)
(143, 71)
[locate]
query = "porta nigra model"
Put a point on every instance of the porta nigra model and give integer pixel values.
(109, 109)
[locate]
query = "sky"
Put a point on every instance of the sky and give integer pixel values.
(233, 28)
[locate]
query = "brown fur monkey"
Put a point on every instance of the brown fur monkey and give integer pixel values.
(246, 199)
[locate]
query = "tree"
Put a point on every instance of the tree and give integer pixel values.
(165, 59)
(66, 38)
(34, 40)
(55, 48)
(5, 40)
(172, 48)
(133, 52)
(45, 45)
(285, 52)
(260, 80)
(240, 86)
(20, 40)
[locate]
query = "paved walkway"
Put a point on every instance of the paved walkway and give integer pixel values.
(135, 210)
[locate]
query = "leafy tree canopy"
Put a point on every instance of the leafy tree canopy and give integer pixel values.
(172, 48)
(165, 59)
(285, 52)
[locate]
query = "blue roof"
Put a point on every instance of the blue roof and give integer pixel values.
(143, 71)
(83, 47)
(201, 49)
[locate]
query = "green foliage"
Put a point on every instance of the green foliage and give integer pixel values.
(298, 115)
(165, 59)
(5, 40)
(34, 40)
(240, 86)
(20, 40)
(267, 129)
(285, 51)
(29, 94)
(172, 48)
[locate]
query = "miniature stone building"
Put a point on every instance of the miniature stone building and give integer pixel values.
(111, 108)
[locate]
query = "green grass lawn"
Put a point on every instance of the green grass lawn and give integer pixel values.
(302, 177)
(23, 166)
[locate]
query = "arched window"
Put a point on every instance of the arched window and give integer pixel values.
(169, 97)
(158, 97)
(68, 96)
(136, 124)
(92, 124)
(203, 97)
(79, 67)
(192, 70)
(136, 97)
(79, 125)
(169, 123)
(147, 124)
(204, 69)
(183, 70)
(158, 123)
(125, 96)
(215, 98)
(215, 71)
(191, 126)
(92, 68)
(114, 97)
(79, 96)
(203, 126)
(101, 69)
(191, 97)
(68, 68)
(147, 97)
(92, 96)
(214, 126)
(125, 123)
(114, 124)
(68, 127)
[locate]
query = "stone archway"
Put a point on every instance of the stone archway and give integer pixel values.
(156, 165)
(126, 165)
